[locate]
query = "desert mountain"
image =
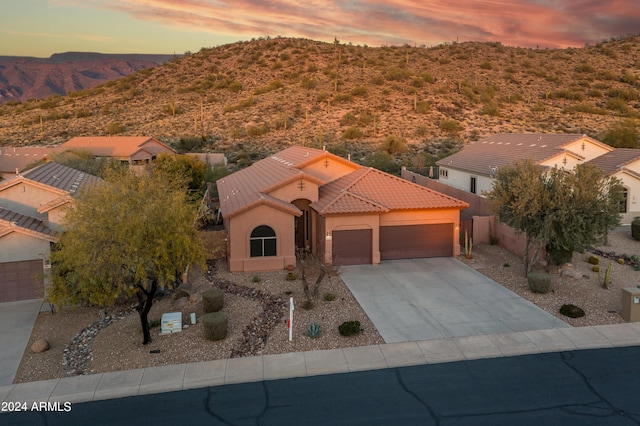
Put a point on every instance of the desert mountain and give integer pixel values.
(261, 95)
(23, 78)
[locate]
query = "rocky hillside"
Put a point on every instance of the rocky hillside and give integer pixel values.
(23, 78)
(262, 95)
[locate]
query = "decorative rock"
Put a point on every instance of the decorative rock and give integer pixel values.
(40, 345)
(290, 267)
(571, 273)
(185, 290)
(181, 302)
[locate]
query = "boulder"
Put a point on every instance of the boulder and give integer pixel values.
(185, 290)
(181, 302)
(571, 273)
(40, 345)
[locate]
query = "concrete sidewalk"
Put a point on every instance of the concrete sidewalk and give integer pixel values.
(303, 364)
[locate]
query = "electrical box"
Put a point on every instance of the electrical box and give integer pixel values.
(171, 322)
(631, 304)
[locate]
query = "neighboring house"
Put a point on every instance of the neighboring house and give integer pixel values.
(209, 158)
(134, 150)
(14, 159)
(473, 168)
(624, 164)
(304, 198)
(32, 210)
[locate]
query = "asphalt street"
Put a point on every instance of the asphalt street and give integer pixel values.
(588, 387)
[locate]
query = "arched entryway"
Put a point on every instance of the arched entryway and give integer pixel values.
(303, 224)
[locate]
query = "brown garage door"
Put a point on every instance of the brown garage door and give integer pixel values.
(352, 247)
(21, 280)
(416, 241)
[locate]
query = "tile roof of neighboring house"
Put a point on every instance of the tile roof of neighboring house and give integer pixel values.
(10, 220)
(370, 190)
(114, 146)
(504, 148)
(613, 161)
(61, 177)
(245, 188)
(12, 158)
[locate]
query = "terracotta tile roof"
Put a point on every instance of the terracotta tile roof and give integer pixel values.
(10, 220)
(114, 146)
(370, 190)
(615, 160)
(61, 177)
(504, 148)
(12, 158)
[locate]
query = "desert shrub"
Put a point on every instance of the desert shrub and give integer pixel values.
(394, 145)
(359, 91)
(635, 228)
(329, 297)
(571, 311)
(256, 278)
(212, 300)
(314, 330)
(539, 282)
(291, 276)
(586, 68)
(114, 128)
(214, 325)
(450, 126)
(155, 323)
(307, 305)
(352, 133)
(342, 97)
(486, 65)
(621, 261)
(594, 260)
(308, 83)
(559, 256)
(273, 85)
(422, 107)
(349, 119)
(349, 328)
(83, 112)
(397, 74)
(595, 268)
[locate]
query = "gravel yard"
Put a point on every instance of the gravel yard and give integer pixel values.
(118, 346)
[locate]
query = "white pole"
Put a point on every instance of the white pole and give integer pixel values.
(290, 318)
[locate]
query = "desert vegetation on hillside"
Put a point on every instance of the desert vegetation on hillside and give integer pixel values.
(251, 98)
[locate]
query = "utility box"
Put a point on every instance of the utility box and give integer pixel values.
(631, 304)
(171, 322)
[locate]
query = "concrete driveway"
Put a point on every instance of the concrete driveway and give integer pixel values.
(17, 319)
(423, 299)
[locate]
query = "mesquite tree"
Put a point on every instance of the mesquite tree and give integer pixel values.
(557, 209)
(127, 236)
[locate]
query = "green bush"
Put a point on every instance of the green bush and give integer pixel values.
(256, 278)
(539, 282)
(594, 260)
(292, 276)
(349, 328)
(571, 311)
(621, 261)
(559, 256)
(635, 228)
(212, 300)
(329, 297)
(214, 325)
(595, 268)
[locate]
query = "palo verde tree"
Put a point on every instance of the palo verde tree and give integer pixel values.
(128, 236)
(556, 208)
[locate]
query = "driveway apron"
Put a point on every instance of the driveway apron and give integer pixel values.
(424, 299)
(17, 319)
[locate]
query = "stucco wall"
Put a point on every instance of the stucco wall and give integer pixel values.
(331, 170)
(25, 199)
(15, 247)
(292, 191)
(240, 228)
(462, 180)
(632, 184)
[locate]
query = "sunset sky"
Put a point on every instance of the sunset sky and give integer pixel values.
(43, 27)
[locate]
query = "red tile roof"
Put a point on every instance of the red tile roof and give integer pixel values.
(613, 161)
(504, 148)
(115, 146)
(370, 190)
(365, 190)
(12, 158)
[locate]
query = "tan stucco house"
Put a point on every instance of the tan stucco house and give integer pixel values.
(473, 168)
(344, 213)
(13, 159)
(32, 210)
(134, 150)
(624, 164)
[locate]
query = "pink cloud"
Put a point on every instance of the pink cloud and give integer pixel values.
(547, 23)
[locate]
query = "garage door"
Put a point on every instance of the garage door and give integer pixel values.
(416, 241)
(21, 280)
(352, 247)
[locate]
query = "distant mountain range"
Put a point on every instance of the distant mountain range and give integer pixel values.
(23, 78)
(257, 97)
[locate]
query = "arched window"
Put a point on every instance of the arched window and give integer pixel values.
(263, 241)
